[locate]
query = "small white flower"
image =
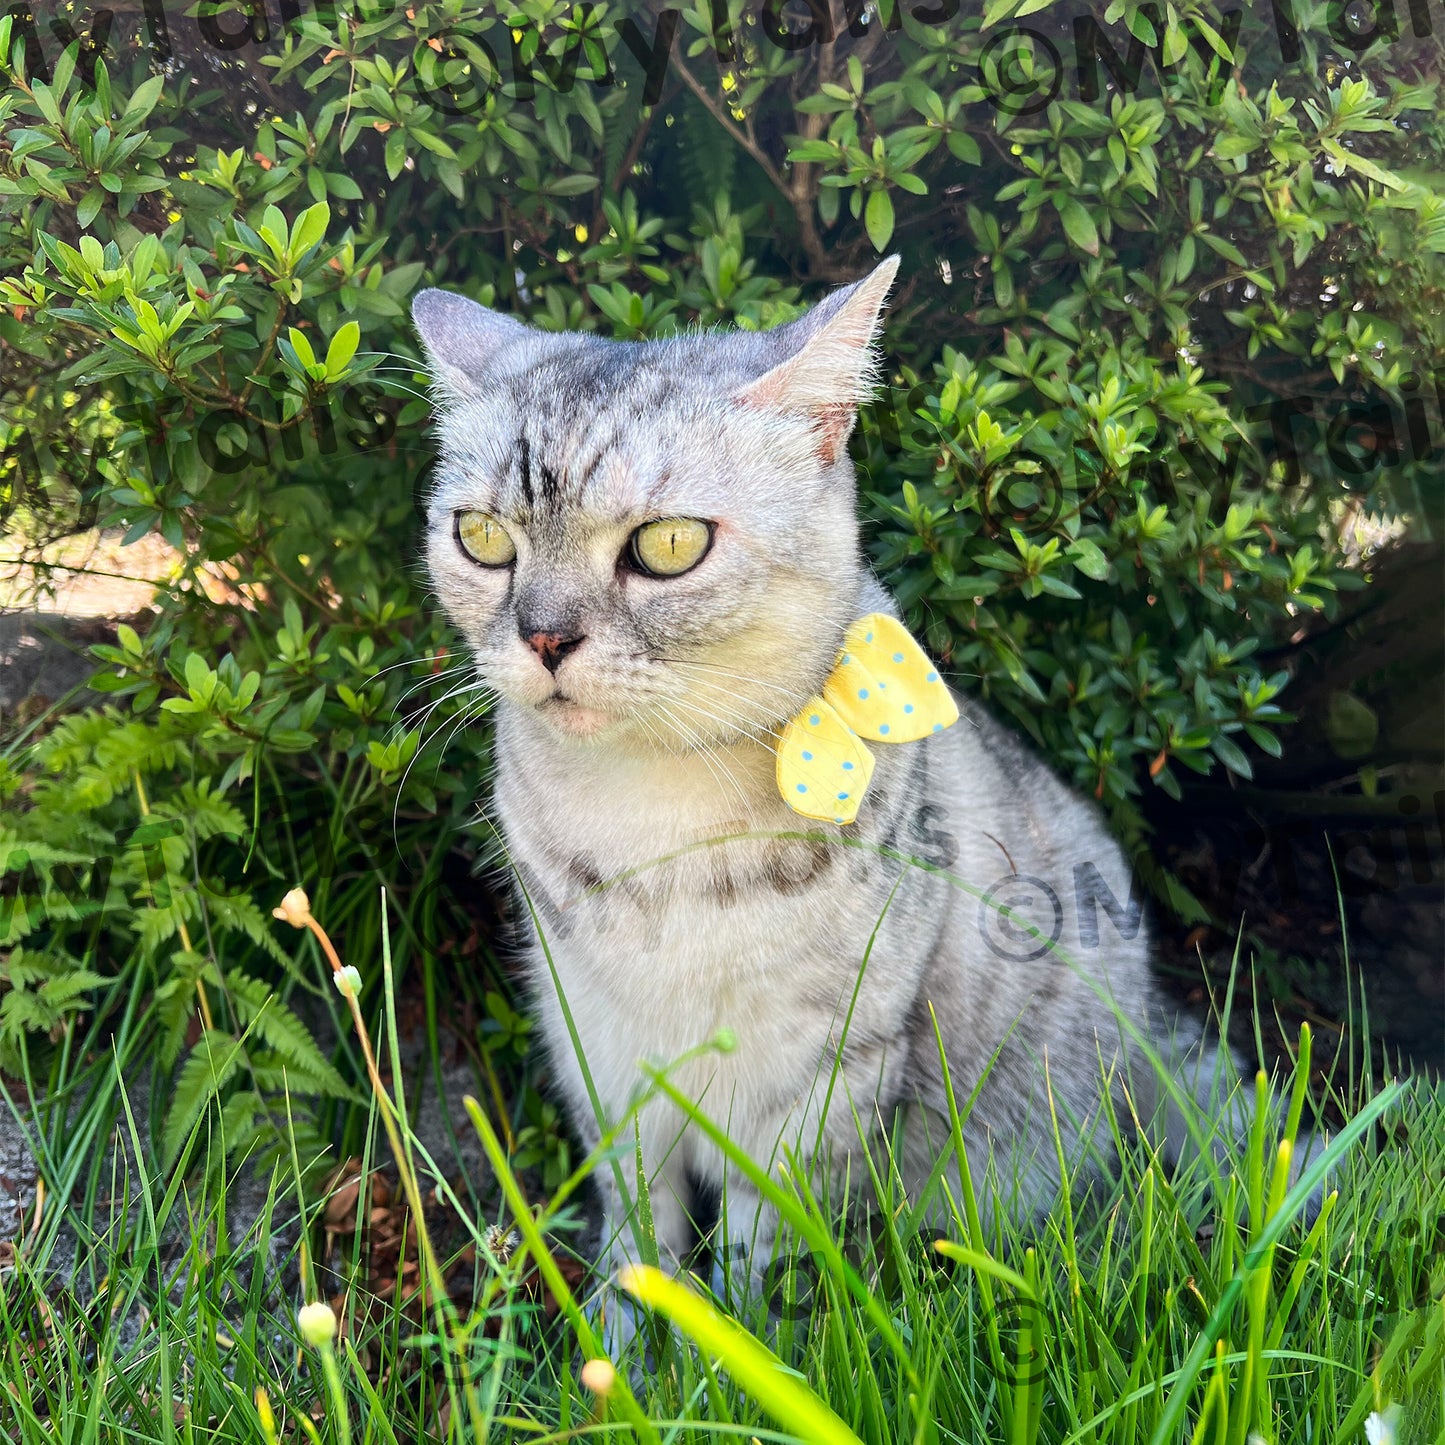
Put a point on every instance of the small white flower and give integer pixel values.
(317, 1323)
(1380, 1427)
(348, 982)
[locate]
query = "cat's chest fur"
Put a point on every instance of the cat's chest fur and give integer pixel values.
(678, 898)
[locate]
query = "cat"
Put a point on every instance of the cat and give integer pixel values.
(652, 551)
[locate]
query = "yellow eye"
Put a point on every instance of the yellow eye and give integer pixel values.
(672, 546)
(484, 539)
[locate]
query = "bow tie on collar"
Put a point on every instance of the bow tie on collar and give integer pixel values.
(884, 688)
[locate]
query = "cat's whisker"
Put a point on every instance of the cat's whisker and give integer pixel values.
(795, 702)
(658, 742)
(410, 391)
(710, 750)
(470, 686)
(758, 729)
(466, 714)
(708, 756)
(396, 356)
(445, 676)
(736, 721)
(484, 692)
(465, 718)
(418, 662)
(428, 681)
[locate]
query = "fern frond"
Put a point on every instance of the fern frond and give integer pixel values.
(258, 1007)
(207, 1071)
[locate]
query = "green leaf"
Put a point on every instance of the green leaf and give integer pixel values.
(1213, 37)
(964, 147)
(1231, 755)
(342, 349)
(878, 219)
(1088, 558)
(89, 207)
(301, 346)
(199, 678)
(1078, 224)
(984, 1264)
(1057, 587)
(310, 228)
(570, 185)
(1363, 165)
(395, 154)
(142, 101)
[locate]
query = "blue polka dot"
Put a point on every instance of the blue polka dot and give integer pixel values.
(882, 684)
(842, 797)
(807, 757)
(883, 727)
(862, 692)
(847, 767)
(932, 677)
(907, 707)
(813, 721)
(846, 657)
(898, 657)
(869, 638)
(938, 727)
(802, 787)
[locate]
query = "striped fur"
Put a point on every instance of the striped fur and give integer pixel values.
(677, 893)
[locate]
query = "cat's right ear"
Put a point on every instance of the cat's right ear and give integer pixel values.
(828, 364)
(462, 339)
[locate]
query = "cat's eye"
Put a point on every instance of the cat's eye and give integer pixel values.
(670, 547)
(484, 539)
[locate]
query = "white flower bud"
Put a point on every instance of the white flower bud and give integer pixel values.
(599, 1376)
(317, 1323)
(295, 909)
(348, 982)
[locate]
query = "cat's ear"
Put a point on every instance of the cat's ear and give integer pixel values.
(462, 339)
(830, 366)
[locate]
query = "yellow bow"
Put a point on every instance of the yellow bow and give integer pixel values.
(883, 687)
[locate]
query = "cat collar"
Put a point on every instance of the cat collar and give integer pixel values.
(884, 688)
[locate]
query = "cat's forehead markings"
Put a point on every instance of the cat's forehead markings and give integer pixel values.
(524, 469)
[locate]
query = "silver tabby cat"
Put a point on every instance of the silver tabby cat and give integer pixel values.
(642, 674)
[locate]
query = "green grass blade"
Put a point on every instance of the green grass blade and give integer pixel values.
(750, 1362)
(1171, 1418)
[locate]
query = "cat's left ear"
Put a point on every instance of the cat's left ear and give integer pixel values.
(830, 366)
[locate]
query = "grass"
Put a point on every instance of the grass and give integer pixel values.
(1201, 1304)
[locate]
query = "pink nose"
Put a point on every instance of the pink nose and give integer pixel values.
(552, 647)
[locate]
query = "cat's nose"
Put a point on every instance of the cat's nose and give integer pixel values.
(552, 647)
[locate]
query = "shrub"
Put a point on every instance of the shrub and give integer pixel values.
(1158, 336)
